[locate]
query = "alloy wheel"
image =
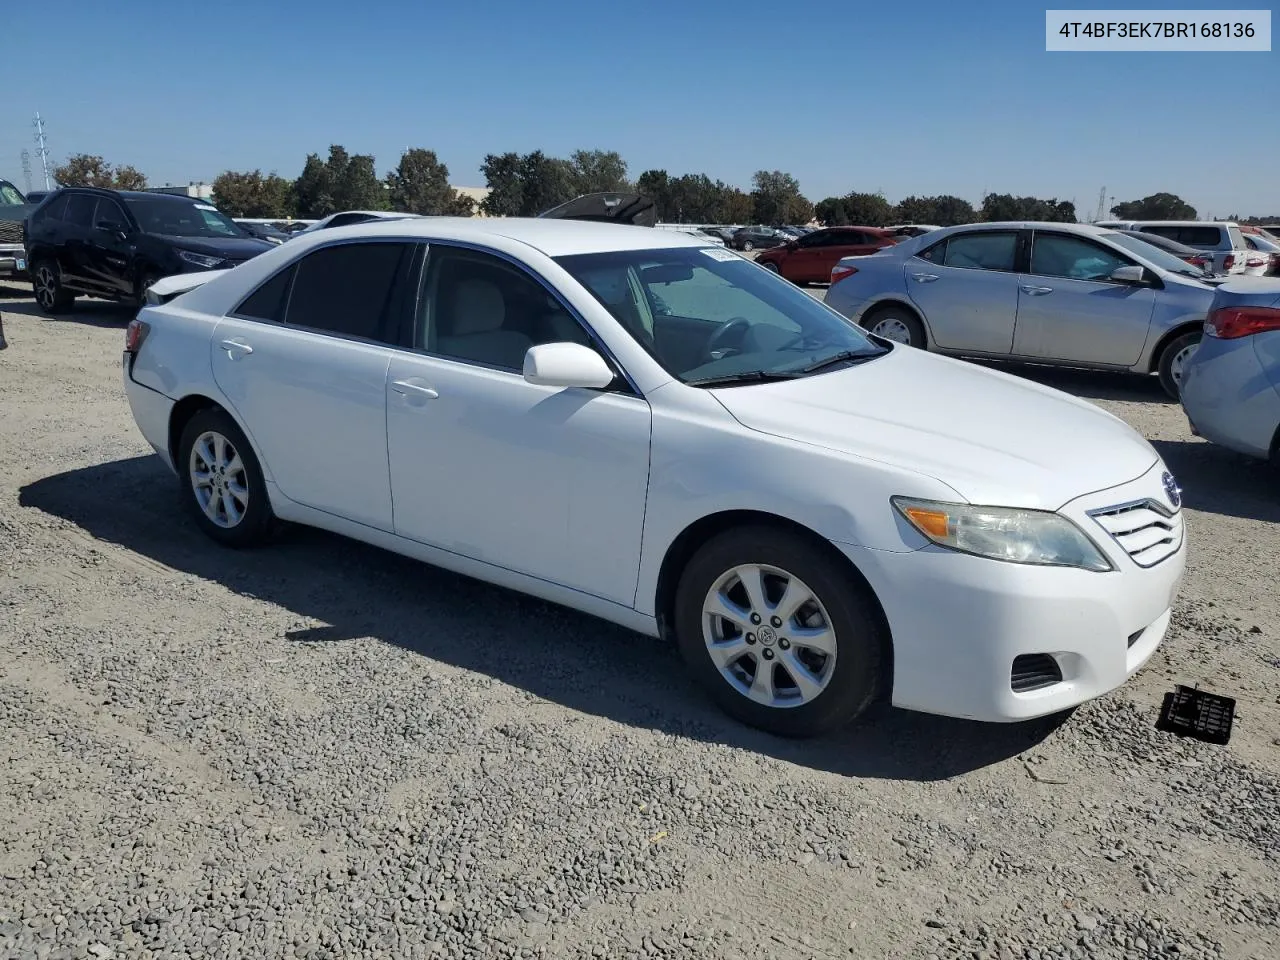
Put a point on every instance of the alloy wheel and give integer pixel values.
(769, 636)
(1179, 362)
(218, 479)
(45, 285)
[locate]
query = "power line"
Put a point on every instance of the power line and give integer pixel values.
(42, 151)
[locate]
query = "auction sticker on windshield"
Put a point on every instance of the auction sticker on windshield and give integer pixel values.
(715, 253)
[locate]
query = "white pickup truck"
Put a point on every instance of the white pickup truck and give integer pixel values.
(1220, 238)
(13, 210)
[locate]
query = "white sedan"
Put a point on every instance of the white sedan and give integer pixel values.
(663, 434)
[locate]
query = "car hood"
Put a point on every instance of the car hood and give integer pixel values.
(996, 439)
(233, 248)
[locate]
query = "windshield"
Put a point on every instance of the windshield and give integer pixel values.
(1154, 255)
(182, 218)
(9, 195)
(708, 315)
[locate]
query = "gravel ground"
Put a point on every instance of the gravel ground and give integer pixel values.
(320, 750)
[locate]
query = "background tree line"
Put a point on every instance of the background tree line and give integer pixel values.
(527, 184)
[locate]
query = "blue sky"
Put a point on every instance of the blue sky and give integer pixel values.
(908, 98)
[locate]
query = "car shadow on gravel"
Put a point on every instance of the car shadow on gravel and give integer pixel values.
(1217, 480)
(356, 592)
(94, 313)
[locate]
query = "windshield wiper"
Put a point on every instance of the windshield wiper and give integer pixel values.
(844, 356)
(750, 376)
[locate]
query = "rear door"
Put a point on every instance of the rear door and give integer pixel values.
(966, 286)
(76, 230)
(1070, 310)
(303, 362)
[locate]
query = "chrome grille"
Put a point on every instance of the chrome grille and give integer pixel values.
(1147, 530)
(10, 231)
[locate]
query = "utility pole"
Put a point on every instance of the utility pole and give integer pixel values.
(1102, 202)
(26, 170)
(42, 151)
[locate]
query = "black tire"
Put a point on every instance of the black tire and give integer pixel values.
(1164, 365)
(858, 675)
(46, 286)
(257, 520)
(145, 279)
(908, 318)
(770, 265)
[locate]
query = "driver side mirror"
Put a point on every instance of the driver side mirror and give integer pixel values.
(1133, 274)
(567, 365)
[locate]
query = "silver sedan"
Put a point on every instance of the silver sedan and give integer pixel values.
(1054, 293)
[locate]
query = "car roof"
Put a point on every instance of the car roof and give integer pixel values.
(1088, 229)
(555, 238)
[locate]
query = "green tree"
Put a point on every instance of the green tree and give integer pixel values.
(736, 206)
(656, 185)
(868, 209)
(832, 212)
(420, 184)
(598, 171)
(944, 210)
(777, 198)
(998, 207)
(253, 194)
(506, 189)
(343, 182)
(1157, 206)
(88, 170)
(546, 182)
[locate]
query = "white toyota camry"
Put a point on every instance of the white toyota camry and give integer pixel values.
(664, 434)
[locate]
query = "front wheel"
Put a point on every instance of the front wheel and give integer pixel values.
(771, 266)
(1173, 361)
(222, 480)
(779, 633)
(748, 246)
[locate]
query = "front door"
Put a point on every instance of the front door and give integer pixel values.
(968, 291)
(109, 250)
(543, 481)
(1069, 309)
(303, 363)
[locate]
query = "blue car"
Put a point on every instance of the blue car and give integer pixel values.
(1231, 384)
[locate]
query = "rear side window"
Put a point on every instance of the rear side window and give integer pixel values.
(80, 209)
(348, 290)
(55, 209)
(1207, 238)
(987, 250)
(268, 301)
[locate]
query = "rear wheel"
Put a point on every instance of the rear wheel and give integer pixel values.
(748, 245)
(895, 323)
(1173, 360)
(222, 481)
(779, 633)
(46, 283)
(142, 285)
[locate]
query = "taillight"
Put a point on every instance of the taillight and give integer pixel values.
(1230, 262)
(838, 273)
(134, 334)
(1231, 323)
(1198, 261)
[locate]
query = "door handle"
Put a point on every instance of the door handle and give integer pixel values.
(925, 277)
(236, 348)
(413, 388)
(1035, 291)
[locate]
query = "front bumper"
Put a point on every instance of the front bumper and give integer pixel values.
(958, 622)
(13, 261)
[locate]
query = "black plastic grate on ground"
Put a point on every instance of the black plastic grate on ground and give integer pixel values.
(1198, 714)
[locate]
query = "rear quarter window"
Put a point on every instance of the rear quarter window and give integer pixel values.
(1237, 238)
(1206, 238)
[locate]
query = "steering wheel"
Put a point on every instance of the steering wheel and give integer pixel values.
(736, 327)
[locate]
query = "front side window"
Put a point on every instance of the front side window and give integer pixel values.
(480, 309)
(109, 215)
(349, 289)
(708, 316)
(181, 218)
(1074, 258)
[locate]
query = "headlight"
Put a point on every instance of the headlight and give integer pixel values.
(1004, 533)
(201, 260)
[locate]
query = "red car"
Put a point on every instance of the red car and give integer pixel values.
(809, 259)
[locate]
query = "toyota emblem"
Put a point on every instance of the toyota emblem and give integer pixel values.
(1171, 489)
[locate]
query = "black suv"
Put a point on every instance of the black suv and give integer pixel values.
(114, 244)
